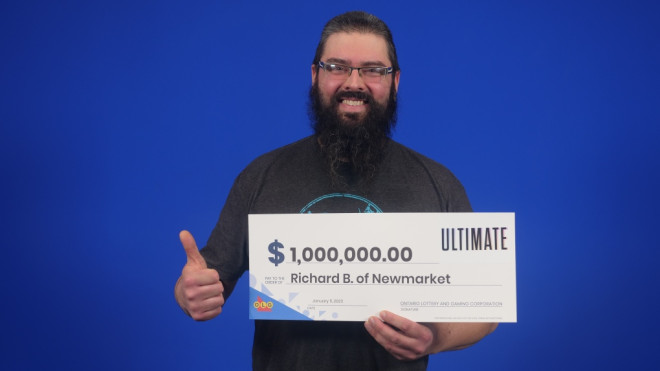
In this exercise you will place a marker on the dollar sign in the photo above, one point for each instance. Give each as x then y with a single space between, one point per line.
278 257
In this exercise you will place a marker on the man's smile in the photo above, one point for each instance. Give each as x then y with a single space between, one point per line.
353 102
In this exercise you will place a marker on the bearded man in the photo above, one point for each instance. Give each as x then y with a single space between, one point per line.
349 165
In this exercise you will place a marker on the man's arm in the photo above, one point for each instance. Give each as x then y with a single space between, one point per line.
408 340
199 291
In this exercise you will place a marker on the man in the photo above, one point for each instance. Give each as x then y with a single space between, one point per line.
350 164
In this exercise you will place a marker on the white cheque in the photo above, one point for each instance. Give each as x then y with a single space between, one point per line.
428 267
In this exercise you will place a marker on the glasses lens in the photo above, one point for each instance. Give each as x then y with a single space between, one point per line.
373 71
373 74
336 69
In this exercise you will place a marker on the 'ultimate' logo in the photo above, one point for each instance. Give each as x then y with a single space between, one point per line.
263 306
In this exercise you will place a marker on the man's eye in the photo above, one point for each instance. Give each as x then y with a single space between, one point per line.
373 71
337 68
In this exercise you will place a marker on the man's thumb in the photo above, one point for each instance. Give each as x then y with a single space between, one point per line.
195 259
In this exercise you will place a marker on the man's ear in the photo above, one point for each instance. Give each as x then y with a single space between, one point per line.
397 75
314 73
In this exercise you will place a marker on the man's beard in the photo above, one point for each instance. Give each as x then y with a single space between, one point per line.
353 147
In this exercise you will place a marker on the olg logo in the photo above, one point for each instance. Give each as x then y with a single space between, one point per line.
263 306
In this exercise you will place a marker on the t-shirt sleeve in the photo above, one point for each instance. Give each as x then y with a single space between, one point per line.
226 249
451 192
456 199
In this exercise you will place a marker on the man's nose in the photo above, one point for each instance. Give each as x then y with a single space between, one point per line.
354 81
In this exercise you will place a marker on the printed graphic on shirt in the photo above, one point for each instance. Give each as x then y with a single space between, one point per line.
341 201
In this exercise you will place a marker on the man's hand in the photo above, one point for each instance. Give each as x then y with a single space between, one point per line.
408 340
199 290
404 339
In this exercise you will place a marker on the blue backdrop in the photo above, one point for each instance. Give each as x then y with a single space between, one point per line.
126 121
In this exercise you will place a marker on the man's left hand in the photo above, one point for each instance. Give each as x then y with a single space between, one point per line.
404 339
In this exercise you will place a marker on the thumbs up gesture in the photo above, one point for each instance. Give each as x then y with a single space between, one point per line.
199 290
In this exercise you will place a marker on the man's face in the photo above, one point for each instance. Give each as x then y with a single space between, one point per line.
356 50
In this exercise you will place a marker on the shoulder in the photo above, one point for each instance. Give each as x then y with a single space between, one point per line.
295 148
286 156
419 168
400 152
284 153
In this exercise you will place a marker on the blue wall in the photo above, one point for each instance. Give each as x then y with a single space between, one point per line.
123 122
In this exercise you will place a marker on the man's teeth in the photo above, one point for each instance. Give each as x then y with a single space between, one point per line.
353 102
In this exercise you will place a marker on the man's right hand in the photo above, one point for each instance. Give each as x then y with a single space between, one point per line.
199 290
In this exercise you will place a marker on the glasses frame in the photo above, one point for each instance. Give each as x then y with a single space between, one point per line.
388 70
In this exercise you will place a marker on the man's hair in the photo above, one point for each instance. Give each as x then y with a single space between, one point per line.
357 21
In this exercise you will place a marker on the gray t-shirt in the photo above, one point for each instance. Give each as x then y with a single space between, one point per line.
295 179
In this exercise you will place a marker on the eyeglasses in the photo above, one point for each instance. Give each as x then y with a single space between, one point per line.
368 73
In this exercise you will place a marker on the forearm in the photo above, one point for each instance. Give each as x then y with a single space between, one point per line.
455 336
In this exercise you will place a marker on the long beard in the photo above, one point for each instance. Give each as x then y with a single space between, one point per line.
352 148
